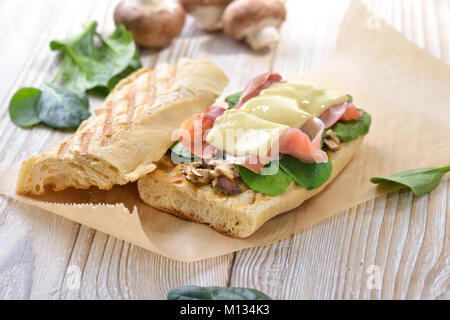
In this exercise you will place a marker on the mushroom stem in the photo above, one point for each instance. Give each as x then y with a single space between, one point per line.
262 37
209 18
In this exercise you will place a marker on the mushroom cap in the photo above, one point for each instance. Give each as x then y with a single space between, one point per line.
190 4
153 23
241 15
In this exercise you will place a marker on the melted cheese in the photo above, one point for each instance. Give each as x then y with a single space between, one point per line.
253 129
311 98
241 133
277 109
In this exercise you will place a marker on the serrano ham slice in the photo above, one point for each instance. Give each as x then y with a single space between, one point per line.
305 144
351 113
333 114
193 131
256 85
345 111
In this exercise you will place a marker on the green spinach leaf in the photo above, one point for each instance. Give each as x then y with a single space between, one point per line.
55 106
180 150
61 108
420 181
179 154
351 130
22 107
233 99
215 293
90 67
273 185
308 175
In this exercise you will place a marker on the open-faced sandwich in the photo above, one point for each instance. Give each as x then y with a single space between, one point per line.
133 129
278 144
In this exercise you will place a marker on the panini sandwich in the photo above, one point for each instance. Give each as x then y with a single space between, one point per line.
133 129
277 144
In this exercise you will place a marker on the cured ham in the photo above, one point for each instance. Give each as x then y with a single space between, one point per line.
193 131
252 163
351 113
345 111
256 85
305 143
333 114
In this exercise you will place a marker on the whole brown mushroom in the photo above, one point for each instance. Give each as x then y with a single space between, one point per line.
153 23
256 21
207 13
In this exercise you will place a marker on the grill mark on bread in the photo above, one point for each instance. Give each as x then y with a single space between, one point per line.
151 88
150 94
139 111
85 141
131 105
107 128
173 76
63 148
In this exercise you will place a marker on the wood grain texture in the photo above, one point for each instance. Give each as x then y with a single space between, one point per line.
43 256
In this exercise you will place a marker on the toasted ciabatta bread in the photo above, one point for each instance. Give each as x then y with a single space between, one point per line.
121 140
237 216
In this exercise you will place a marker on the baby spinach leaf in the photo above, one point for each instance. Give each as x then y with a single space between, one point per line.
61 108
350 99
22 107
179 154
233 99
54 106
90 67
180 150
308 175
273 185
420 181
351 130
215 293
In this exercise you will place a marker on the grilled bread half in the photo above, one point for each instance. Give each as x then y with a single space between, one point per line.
121 141
238 216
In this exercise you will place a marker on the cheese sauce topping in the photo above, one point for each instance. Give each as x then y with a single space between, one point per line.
258 125
242 133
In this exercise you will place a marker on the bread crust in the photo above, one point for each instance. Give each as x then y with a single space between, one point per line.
236 216
120 141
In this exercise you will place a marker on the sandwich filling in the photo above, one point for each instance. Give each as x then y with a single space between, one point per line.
276 132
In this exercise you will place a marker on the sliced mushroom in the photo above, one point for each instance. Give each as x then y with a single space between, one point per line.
228 186
332 141
196 175
256 21
225 169
153 23
207 13
216 173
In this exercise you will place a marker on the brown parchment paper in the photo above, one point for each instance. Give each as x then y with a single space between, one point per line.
405 89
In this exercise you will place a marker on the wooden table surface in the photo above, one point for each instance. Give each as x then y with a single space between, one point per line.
398 239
